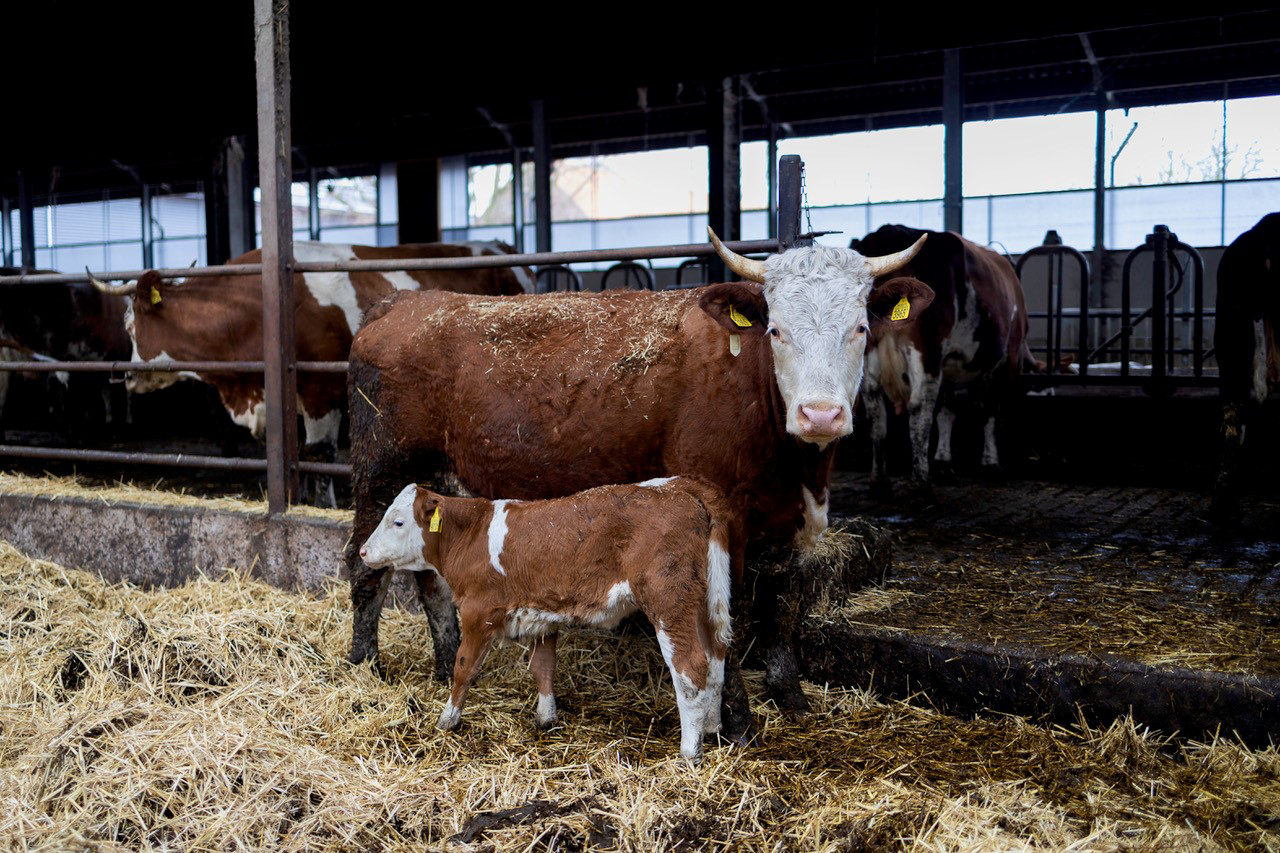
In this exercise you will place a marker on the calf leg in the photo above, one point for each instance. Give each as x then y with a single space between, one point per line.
437 603
477 638
689 663
542 662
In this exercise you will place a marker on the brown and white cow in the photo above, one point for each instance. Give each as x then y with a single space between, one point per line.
745 385
220 319
970 343
521 571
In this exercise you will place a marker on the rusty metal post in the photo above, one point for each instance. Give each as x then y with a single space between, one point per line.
541 176
271 51
790 200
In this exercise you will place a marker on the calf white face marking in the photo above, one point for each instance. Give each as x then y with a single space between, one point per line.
498 534
655 482
330 288
397 542
818 328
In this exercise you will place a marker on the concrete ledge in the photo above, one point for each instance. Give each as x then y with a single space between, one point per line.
164 546
969 677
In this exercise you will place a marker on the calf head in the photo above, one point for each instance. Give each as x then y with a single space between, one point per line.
142 298
408 536
819 306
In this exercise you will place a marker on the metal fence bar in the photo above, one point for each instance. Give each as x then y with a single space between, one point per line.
477 262
178 460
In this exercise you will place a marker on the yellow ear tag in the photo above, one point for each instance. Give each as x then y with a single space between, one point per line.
738 319
155 296
735 345
435 521
902 310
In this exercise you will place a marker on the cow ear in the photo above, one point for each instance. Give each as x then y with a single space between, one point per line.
424 505
898 301
740 307
150 292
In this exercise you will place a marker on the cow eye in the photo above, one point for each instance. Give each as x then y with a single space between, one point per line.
773 330
399 522
862 329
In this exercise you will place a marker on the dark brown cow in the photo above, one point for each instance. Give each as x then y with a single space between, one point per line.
1246 343
522 571
971 342
220 319
745 386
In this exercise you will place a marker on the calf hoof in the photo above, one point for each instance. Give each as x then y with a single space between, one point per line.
443 672
741 733
694 759
450 717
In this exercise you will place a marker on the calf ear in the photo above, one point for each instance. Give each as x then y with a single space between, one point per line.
740 307
424 505
885 302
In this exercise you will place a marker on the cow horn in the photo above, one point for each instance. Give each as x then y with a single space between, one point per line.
745 267
114 289
885 264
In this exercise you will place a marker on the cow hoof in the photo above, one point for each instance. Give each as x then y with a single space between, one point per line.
943 473
994 473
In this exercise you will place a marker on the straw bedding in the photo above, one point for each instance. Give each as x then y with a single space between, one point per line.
221 715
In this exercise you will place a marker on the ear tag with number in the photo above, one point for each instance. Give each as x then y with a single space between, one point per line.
435 521
902 310
155 296
735 345
738 320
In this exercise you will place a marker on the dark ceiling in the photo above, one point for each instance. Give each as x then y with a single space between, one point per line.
156 90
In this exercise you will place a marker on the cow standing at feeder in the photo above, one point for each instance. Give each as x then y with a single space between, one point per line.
219 318
969 344
745 385
1245 343
521 571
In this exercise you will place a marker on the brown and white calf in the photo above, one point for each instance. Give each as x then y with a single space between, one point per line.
522 570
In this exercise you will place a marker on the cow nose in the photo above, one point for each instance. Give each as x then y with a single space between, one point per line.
364 552
821 418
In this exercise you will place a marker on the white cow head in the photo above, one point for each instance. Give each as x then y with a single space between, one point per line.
397 542
818 305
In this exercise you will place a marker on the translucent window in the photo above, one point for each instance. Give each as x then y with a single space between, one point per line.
1171 144
884 165
1032 154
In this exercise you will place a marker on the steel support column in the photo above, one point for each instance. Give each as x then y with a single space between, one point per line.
6 231
229 203
771 156
542 176
790 199
313 204
26 224
953 129
148 229
418 200
271 52
1096 293
724 145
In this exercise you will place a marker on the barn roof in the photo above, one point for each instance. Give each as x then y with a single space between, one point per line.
156 91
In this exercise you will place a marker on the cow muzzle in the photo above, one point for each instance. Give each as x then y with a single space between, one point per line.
822 421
